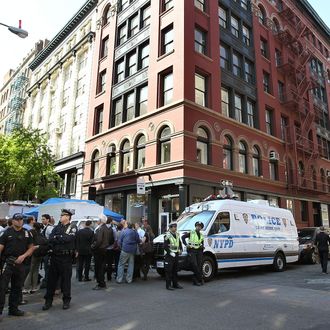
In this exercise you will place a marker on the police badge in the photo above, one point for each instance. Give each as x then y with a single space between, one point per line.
284 221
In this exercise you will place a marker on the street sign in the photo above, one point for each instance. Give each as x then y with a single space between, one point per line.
140 186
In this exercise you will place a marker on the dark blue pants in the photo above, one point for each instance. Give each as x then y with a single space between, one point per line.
324 260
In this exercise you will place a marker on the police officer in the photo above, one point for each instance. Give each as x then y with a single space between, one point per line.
195 249
15 246
172 247
62 244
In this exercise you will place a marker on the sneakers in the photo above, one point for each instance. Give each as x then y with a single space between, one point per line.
16 312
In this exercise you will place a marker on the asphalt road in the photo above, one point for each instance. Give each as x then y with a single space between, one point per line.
253 298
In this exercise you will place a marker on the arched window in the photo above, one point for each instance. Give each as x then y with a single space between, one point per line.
95 164
106 15
301 172
125 156
111 160
202 146
256 165
140 160
242 158
164 143
227 161
276 25
324 187
262 15
273 166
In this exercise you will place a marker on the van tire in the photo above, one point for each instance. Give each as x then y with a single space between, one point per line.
208 268
313 257
161 272
279 262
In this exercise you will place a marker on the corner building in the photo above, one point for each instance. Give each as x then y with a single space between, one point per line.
186 93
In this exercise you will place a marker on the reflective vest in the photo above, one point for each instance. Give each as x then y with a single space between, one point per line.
174 241
195 242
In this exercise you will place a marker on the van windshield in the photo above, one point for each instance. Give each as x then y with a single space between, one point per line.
188 223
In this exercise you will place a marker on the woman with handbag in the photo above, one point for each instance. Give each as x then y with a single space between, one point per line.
147 250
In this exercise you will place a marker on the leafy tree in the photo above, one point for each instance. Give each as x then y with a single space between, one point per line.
27 166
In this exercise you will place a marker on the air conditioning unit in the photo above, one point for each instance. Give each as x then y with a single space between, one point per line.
58 130
111 150
273 155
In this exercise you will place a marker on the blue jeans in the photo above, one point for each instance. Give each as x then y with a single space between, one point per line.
125 257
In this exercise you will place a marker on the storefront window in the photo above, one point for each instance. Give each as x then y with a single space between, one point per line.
137 207
113 202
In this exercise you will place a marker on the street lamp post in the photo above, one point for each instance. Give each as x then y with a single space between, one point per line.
20 32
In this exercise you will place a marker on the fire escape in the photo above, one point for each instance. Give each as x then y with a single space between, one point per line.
16 103
297 97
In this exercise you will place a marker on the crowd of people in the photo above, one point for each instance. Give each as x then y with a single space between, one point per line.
39 255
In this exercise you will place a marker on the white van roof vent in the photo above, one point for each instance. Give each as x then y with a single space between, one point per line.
259 202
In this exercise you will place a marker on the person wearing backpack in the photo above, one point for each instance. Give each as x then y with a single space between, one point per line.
41 244
99 247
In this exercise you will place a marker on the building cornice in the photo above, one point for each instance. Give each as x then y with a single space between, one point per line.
68 28
69 158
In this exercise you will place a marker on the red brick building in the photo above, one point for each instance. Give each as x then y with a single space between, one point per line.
186 93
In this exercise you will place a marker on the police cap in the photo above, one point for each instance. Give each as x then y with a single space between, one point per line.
66 212
173 224
18 216
199 223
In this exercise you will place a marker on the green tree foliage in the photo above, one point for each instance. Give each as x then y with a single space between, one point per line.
26 166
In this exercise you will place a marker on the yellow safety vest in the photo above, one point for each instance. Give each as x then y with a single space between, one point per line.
174 241
194 241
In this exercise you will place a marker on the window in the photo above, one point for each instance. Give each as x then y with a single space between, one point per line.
167 40
238 107
125 157
118 112
224 57
200 41
120 71
144 56
106 16
167 89
131 63
98 120
121 34
273 171
248 68
167 4
256 165
225 102
133 25
284 125
246 35
202 145
276 26
140 152
124 4
146 14
129 106
234 26
304 211
221 223
278 57
262 15
280 91
200 4
71 183
227 162
250 107
222 17
104 47
200 90
269 121
80 86
266 82
264 47
242 158
244 4
101 83
95 164
66 96
165 145
111 160
143 100
237 65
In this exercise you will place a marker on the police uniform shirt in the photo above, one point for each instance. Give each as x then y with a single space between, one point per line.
62 238
15 242
167 243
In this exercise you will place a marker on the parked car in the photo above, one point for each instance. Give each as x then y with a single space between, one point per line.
80 223
307 249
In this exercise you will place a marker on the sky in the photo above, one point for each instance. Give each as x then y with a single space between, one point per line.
45 18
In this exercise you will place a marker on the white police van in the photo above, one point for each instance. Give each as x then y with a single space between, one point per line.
237 234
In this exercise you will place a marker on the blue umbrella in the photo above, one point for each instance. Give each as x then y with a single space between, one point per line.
115 216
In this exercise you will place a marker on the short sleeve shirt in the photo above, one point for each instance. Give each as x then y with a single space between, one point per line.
15 242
